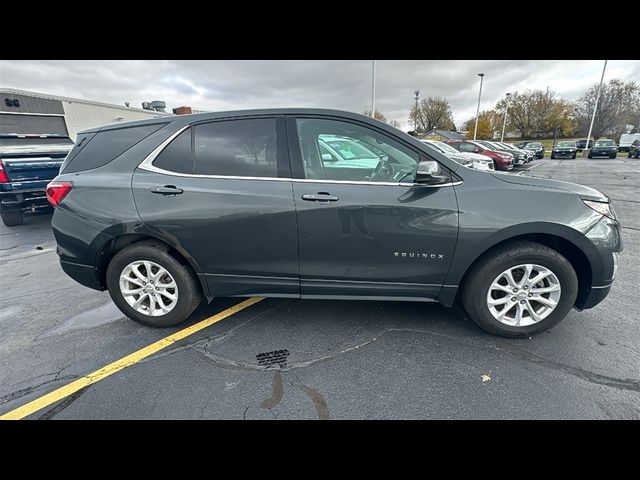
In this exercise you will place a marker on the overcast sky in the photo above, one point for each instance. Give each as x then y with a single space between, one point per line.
216 85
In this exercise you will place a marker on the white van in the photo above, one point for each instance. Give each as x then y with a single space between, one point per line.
626 139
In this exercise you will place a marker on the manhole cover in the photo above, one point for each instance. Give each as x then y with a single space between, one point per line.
270 359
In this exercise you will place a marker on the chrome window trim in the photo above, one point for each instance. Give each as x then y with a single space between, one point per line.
147 164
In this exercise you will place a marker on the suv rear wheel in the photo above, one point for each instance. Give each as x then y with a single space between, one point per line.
11 219
152 287
520 289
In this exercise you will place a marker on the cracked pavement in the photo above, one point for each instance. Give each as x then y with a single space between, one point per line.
347 360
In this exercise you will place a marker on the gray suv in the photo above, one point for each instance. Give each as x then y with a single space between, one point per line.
321 204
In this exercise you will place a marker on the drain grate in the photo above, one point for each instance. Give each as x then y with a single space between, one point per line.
270 359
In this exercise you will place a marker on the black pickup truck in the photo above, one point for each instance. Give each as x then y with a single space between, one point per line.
27 164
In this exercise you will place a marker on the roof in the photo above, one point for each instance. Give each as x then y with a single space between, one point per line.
47 96
445 133
200 117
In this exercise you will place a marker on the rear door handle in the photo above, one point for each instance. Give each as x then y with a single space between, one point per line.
167 190
319 197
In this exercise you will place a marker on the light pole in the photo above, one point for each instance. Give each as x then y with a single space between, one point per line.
595 107
415 120
373 90
504 122
475 130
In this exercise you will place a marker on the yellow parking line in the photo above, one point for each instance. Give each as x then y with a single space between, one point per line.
132 359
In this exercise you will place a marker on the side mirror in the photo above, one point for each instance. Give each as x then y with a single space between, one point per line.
327 157
430 173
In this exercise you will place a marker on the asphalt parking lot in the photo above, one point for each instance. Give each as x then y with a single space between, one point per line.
337 360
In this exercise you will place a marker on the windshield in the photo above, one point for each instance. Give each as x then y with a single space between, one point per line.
444 147
604 143
532 146
566 144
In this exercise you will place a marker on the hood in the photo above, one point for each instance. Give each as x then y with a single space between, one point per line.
585 192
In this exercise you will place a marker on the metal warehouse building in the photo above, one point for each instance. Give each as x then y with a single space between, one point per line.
25 112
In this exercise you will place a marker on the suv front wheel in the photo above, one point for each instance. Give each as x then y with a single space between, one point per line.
520 289
152 287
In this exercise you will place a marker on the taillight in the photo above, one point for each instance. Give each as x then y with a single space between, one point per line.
3 174
56 191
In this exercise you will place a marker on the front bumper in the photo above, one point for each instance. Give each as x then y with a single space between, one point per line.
563 153
594 296
603 153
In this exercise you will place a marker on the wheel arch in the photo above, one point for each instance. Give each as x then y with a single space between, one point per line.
109 249
560 238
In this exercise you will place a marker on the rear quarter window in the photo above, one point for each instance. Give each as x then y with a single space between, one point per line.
178 155
105 146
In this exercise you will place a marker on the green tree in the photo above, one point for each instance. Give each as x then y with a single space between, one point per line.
378 116
433 112
395 123
535 113
617 107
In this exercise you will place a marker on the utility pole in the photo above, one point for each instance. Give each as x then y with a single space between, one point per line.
595 107
373 90
475 130
415 120
504 122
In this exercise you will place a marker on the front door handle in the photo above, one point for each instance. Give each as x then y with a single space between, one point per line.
319 197
167 190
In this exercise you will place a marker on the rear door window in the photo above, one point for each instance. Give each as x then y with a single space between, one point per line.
177 156
239 148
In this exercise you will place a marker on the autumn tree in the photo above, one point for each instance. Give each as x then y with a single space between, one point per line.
617 107
378 116
485 128
536 113
433 112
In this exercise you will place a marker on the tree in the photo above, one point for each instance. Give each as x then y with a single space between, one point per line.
378 116
617 107
535 113
395 123
433 112
485 129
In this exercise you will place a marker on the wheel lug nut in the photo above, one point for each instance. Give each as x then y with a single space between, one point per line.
513 299
144 290
525 287
159 289
522 301
530 294
144 283
515 290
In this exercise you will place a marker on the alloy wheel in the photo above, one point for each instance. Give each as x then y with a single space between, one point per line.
148 288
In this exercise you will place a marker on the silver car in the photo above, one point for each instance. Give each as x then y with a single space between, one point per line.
468 159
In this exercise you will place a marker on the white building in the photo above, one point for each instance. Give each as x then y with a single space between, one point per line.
41 113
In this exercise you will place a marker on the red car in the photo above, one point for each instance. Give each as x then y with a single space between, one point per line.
501 160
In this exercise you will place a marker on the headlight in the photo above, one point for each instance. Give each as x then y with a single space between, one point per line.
603 208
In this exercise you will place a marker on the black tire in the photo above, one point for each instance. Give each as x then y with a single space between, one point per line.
613 157
189 294
495 165
487 268
589 156
574 156
552 156
11 219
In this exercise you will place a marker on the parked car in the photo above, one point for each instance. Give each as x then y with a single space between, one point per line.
626 139
536 148
604 147
634 149
518 158
582 144
565 149
501 160
522 144
27 164
518 151
165 212
468 159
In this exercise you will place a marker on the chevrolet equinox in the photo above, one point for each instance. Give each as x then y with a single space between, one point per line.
323 204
